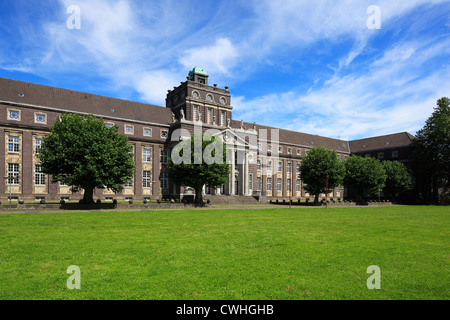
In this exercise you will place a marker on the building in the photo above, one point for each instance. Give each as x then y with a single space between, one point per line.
265 161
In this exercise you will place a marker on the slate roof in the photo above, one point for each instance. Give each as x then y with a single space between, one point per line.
69 100
396 140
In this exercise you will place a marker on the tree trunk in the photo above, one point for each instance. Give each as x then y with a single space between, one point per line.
88 195
198 195
316 198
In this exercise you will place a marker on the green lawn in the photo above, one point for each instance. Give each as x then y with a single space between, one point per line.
281 253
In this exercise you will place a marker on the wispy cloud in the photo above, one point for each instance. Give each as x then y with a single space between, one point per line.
303 65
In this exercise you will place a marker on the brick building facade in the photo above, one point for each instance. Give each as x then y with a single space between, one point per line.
264 161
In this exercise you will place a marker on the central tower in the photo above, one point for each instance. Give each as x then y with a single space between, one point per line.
197 102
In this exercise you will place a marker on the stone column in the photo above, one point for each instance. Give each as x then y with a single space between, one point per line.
246 174
232 186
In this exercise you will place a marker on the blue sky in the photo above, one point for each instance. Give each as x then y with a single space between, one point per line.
309 66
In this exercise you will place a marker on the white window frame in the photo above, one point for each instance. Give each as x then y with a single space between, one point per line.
147 179
146 155
14 118
13 174
40 178
37 114
13 144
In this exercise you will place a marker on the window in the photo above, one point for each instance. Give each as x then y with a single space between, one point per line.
13 143
13 115
258 184
222 118
298 185
13 173
250 181
147 179
297 168
394 154
195 94
209 97
299 152
380 155
279 184
223 100
269 147
269 184
129 183
269 165
40 118
147 132
147 155
280 166
288 169
109 124
210 115
258 146
164 134
128 129
164 180
280 149
288 185
289 151
258 164
37 144
39 176
195 115
164 155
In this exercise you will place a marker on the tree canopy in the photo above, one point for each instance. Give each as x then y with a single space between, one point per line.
365 176
398 179
81 151
318 166
198 161
432 153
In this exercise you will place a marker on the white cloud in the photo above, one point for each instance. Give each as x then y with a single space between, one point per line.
218 58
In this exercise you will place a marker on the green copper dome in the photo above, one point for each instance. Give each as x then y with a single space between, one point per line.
197 70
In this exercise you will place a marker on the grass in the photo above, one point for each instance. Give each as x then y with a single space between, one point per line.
280 253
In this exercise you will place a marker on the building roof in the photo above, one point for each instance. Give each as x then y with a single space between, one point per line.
81 102
197 70
396 140
296 138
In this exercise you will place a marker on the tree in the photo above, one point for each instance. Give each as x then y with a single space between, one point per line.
321 167
198 161
365 176
81 151
399 178
432 153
